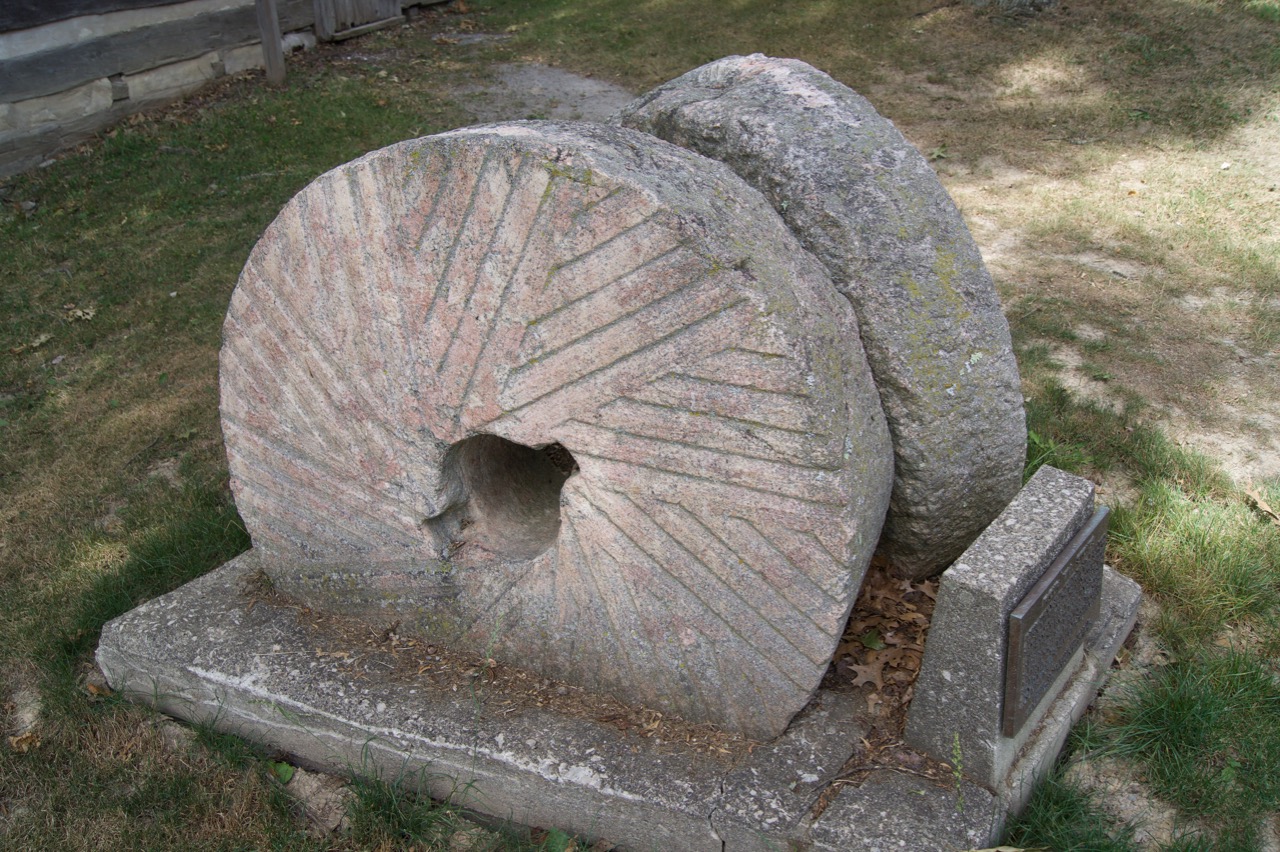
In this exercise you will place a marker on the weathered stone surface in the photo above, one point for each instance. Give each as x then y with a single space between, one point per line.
418 325
174 80
960 689
890 812
65 106
204 654
237 59
213 651
866 203
770 797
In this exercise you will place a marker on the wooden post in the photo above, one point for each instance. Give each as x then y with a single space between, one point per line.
269 23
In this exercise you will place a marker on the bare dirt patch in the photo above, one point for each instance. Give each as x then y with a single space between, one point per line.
1113 196
526 90
1124 797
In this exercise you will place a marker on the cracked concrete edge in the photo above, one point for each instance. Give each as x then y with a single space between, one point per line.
894 811
472 781
200 654
751 815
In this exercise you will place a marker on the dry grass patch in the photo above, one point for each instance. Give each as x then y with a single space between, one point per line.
109 777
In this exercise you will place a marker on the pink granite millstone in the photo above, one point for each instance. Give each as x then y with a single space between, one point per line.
424 335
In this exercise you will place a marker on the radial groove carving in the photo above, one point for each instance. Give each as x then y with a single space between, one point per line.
416 325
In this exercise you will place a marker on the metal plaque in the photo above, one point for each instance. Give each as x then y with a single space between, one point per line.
1049 623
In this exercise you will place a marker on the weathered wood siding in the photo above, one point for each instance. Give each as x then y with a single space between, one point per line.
69 68
336 19
62 68
23 14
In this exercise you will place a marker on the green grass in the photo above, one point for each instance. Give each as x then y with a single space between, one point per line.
1214 562
388 813
1206 730
1267 10
112 293
1190 535
106 781
1195 68
1059 816
199 532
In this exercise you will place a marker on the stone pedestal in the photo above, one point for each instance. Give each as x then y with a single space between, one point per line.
214 651
993 702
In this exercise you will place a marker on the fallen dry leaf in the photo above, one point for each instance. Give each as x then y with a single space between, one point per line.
848 649
1255 497
35 344
872 674
24 743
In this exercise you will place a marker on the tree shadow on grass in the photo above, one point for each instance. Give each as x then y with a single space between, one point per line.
1187 69
202 532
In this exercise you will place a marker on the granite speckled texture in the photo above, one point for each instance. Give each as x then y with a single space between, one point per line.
864 201
419 324
960 689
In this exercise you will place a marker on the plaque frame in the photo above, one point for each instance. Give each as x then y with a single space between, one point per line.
1073 571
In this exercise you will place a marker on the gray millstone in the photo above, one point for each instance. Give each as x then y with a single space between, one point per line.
867 204
419 329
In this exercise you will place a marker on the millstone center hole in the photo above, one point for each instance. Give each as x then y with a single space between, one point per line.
513 493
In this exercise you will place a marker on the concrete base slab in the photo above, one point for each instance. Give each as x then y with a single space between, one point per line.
213 652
